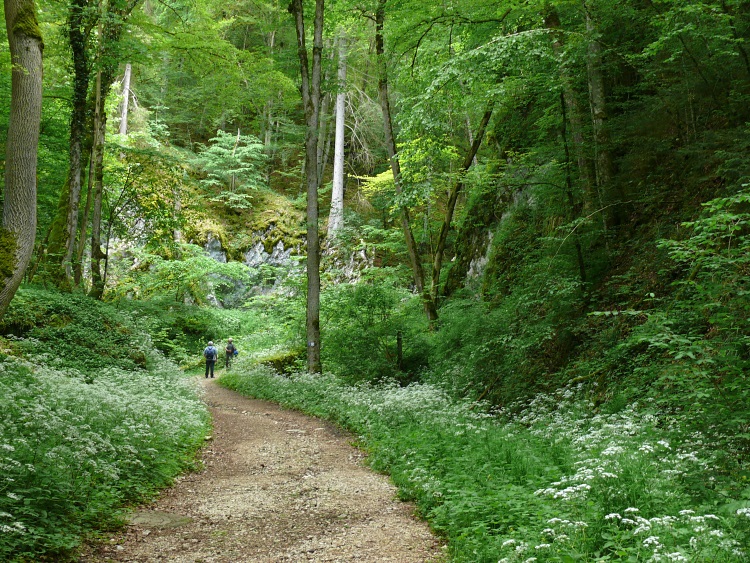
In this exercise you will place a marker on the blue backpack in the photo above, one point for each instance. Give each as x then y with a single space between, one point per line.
210 353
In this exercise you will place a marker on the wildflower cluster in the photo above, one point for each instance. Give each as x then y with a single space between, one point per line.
73 447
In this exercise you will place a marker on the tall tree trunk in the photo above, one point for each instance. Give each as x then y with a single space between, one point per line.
336 217
63 232
110 31
311 101
471 154
586 171
323 135
324 121
390 143
125 100
598 104
177 232
575 209
97 279
18 230
268 117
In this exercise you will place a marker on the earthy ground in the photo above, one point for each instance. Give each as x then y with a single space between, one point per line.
276 486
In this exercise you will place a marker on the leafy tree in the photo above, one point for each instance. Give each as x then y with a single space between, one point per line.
233 166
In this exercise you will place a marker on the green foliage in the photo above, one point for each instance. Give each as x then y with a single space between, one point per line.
360 329
233 168
73 332
193 276
181 331
698 339
83 431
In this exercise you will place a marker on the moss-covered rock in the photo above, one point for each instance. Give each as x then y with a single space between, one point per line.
284 362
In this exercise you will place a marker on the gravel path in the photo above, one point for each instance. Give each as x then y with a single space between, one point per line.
276 486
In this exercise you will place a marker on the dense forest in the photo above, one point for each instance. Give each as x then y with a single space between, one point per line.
506 243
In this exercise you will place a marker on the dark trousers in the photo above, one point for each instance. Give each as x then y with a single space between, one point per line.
210 367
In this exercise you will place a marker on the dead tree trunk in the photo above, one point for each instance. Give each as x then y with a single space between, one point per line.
336 217
125 100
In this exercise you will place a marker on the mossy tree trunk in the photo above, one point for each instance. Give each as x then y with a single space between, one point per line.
18 230
112 24
311 80
62 238
97 170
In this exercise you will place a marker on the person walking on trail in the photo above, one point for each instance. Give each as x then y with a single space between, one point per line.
210 353
231 352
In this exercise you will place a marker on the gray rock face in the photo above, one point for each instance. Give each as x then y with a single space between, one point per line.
226 292
214 249
279 256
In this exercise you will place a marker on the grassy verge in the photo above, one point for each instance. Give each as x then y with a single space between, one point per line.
556 483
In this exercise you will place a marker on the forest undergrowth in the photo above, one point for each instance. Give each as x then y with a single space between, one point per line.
552 479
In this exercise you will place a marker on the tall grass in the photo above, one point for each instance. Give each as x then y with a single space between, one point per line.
558 482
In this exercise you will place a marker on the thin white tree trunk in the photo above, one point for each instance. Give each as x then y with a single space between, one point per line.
336 217
125 100
18 230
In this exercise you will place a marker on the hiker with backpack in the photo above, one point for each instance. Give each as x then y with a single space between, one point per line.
230 352
210 353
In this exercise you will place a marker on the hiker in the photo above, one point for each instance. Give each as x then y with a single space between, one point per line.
230 351
210 353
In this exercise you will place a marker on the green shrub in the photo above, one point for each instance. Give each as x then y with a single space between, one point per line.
73 331
360 332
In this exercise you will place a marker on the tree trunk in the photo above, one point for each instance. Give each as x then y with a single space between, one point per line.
598 104
63 233
97 283
390 143
575 209
453 198
78 264
311 102
125 100
586 172
18 230
110 30
336 217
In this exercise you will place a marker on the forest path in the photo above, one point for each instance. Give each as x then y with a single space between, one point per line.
276 486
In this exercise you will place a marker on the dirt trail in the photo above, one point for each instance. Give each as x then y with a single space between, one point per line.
276 486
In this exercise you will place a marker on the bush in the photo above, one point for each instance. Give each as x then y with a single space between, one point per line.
361 328
73 331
